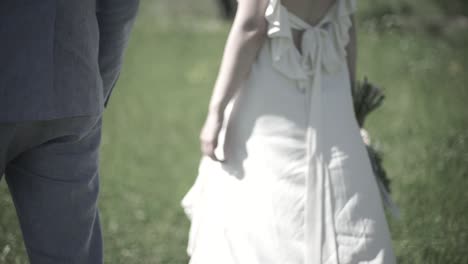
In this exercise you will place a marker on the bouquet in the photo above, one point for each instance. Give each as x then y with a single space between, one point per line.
366 98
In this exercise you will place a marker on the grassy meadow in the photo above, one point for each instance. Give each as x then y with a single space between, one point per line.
150 143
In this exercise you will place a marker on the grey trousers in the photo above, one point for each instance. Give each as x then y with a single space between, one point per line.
52 172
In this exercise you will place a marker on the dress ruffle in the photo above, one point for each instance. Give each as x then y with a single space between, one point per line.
213 193
329 38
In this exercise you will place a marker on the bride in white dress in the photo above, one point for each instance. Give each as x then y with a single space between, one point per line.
285 177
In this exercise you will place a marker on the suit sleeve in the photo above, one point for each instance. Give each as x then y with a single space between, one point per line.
115 19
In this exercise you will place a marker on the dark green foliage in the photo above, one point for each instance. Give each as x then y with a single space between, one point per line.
453 7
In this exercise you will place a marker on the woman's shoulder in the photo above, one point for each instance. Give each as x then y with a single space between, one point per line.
313 12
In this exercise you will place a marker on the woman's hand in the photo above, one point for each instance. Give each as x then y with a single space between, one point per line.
247 35
210 133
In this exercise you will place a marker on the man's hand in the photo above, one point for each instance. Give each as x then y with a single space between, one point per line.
209 135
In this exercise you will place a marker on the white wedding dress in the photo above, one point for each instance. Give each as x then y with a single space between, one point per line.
297 186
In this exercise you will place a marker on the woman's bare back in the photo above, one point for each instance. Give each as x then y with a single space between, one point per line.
311 11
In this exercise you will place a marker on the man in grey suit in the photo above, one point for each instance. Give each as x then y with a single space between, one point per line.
59 60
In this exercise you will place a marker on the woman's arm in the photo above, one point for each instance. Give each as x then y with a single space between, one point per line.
246 37
351 50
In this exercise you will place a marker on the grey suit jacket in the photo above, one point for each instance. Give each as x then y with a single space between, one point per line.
60 58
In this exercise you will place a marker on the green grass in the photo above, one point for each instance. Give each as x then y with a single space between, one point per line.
150 144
